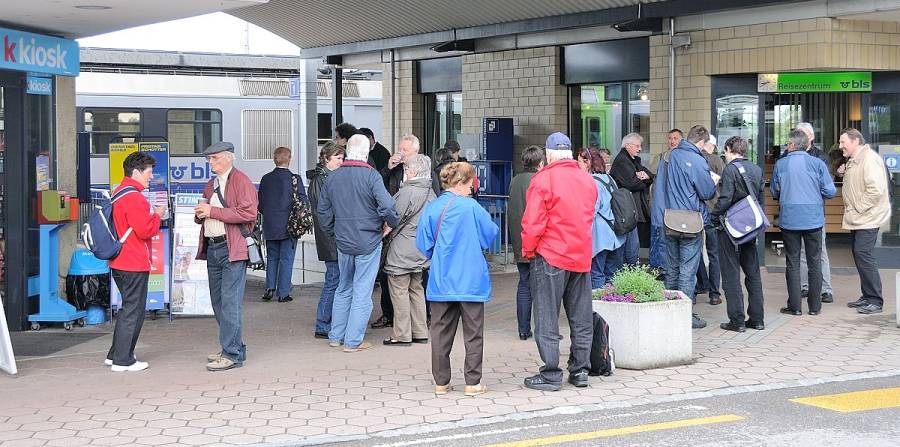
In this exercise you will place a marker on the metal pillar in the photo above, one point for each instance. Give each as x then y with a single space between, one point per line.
337 96
671 73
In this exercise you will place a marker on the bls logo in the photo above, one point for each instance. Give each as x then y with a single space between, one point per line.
196 171
856 84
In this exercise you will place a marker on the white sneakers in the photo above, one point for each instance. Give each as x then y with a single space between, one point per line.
109 362
136 366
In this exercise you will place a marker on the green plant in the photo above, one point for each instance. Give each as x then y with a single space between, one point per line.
639 281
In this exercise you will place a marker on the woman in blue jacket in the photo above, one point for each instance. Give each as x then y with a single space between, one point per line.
608 254
453 232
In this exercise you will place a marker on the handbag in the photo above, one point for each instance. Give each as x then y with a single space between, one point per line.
300 219
678 223
404 221
745 219
252 237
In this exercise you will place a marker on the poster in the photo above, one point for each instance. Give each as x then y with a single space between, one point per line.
190 287
117 154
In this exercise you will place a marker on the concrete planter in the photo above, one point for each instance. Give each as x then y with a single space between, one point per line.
649 335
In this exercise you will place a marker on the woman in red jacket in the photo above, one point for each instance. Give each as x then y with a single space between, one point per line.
137 226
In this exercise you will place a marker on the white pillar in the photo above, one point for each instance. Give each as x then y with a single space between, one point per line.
308 119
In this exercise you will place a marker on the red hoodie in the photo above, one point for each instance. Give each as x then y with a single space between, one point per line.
133 211
559 213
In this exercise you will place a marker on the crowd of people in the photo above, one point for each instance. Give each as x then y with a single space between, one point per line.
394 220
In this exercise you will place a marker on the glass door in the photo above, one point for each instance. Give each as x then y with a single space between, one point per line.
443 120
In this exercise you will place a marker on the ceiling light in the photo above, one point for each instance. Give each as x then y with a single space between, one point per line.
93 7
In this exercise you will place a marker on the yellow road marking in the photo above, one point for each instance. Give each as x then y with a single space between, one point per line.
620 431
857 401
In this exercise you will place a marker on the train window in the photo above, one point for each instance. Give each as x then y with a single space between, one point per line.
324 133
106 124
264 130
190 131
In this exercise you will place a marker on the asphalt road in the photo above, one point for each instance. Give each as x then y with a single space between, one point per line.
767 418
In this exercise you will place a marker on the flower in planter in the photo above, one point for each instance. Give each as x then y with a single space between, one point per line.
639 282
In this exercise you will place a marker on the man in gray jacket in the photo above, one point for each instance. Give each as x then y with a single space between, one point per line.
353 207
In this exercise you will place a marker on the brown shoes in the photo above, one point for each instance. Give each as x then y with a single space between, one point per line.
362 347
475 390
442 389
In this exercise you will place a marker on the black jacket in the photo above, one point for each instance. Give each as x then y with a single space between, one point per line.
275 201
733 189
379 156
820 154
325 244
624 172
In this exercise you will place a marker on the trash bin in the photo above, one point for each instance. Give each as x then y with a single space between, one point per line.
87 284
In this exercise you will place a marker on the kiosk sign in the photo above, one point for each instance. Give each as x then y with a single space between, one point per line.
38 53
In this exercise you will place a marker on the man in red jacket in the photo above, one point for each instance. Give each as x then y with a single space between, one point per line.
231 206
556 235
131 268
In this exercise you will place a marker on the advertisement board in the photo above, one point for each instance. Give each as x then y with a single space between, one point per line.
190 283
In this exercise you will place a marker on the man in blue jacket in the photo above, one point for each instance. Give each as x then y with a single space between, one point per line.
801 183
353 208
685 184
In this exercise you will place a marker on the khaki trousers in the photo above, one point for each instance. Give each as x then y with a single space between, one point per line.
408 298
445 318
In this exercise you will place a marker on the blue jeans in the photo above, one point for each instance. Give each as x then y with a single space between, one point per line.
280 265
632 247
682 261
353 298
226 290
326 298
709 279
604 266
523 298
657 249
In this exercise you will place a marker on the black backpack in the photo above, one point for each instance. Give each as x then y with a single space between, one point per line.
623 209
603 361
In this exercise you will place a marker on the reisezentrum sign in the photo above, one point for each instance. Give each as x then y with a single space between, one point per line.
843 81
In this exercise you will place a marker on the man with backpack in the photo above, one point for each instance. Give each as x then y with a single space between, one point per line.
131 267
740 178
226 217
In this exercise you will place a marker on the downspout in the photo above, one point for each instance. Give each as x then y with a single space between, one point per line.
393 101
671 73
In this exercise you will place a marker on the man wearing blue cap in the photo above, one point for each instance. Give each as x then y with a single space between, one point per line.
230 206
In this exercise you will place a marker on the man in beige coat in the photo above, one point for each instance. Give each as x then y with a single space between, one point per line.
866 209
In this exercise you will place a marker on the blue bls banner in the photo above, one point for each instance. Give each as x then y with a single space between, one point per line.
37 53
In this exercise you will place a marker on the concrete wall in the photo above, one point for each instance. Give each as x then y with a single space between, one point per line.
410 117
65 164
799 45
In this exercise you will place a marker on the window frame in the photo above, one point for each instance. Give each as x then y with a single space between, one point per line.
168 122
139 111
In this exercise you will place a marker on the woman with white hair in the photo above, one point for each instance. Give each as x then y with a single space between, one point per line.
404 264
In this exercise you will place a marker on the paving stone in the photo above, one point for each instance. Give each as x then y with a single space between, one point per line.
201 439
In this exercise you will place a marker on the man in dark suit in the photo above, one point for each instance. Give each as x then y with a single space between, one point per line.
276 197
378 154
629 173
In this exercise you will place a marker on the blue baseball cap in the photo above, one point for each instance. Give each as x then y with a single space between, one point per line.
557 141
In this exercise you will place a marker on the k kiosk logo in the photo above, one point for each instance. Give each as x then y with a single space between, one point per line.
40 54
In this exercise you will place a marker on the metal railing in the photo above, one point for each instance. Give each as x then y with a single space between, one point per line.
498 207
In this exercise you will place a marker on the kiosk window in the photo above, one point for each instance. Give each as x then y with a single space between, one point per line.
191 131
106 124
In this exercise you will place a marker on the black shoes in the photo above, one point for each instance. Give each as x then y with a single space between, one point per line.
697 322
392 342
858 303
789 311
814 312
539 383
733 327
420 340
579 379
827 298
869 309
754 325
715 300
382 322
268 295
524 336
285 299
321 335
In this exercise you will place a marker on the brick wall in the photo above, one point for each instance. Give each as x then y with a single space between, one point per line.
522 84
410 118
800 45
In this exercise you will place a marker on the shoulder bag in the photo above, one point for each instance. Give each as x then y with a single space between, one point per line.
253 237
680 223
300 219
745 219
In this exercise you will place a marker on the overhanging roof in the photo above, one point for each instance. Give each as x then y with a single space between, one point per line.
311 24
362 26
74 19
